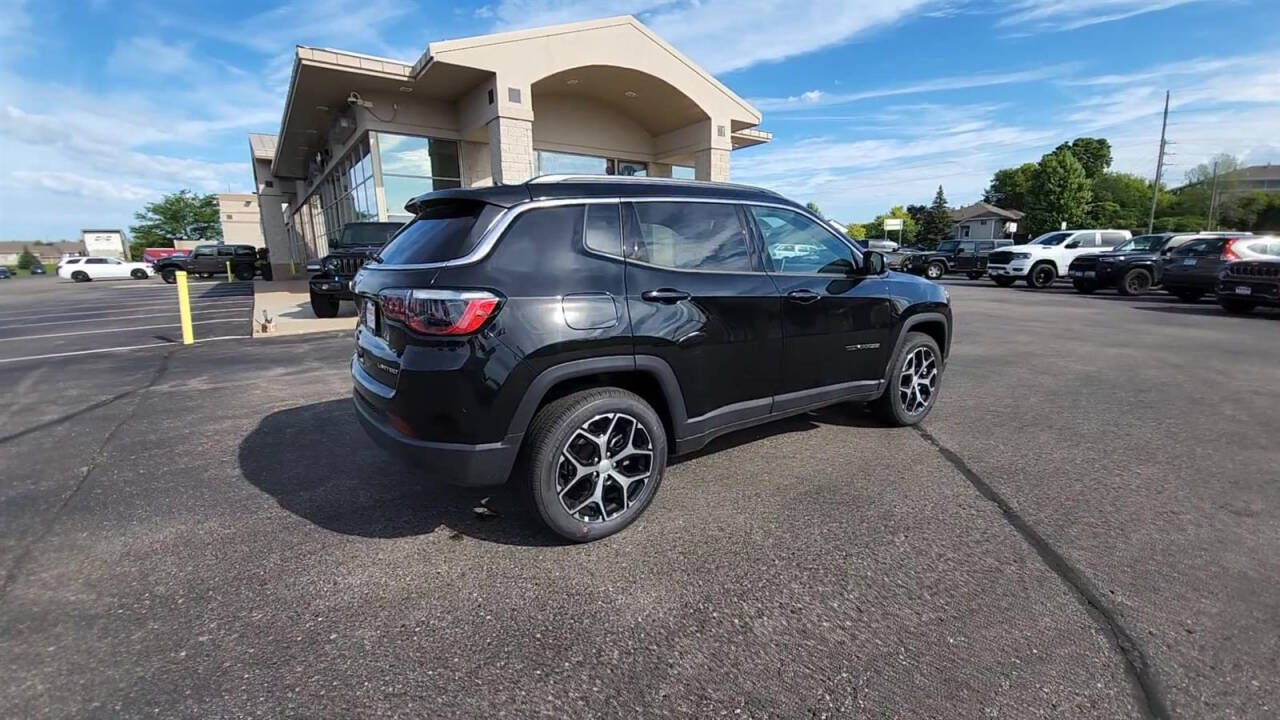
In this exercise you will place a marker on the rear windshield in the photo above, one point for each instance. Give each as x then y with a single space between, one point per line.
445 230
366 234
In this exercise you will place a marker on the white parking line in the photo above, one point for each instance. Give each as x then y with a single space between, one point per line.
113 319
136 327
149 306
116 349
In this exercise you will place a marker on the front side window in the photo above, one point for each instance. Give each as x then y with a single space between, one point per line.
689 236
967 247
816 250
203 252
226 251
1084 240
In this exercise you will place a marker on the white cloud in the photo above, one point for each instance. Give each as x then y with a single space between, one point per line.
725 35
1060 15
147 54
70 183
815 97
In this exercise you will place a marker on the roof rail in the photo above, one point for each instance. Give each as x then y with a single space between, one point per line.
546 179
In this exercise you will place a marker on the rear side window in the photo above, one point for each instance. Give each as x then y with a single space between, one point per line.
72 261
1112 239
689 236
226 251
985 246
603 229
445 230
241 250
96 261
1265 247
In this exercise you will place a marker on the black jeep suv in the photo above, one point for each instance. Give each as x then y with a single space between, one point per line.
208 260
1133 267
581 330
355 245
953 256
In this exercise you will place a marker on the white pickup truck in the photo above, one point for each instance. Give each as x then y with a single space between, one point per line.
1044 259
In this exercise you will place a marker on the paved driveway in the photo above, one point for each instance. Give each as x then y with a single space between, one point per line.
1084 528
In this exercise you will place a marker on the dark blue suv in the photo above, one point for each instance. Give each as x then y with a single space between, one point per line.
571 333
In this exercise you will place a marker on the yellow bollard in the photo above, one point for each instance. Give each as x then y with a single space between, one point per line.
292 271
228 271
184 309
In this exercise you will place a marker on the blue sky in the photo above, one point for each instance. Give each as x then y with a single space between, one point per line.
106 104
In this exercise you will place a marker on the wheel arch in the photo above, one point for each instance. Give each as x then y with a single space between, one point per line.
647 376
934 324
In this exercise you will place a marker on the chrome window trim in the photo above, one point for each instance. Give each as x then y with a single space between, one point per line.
500 225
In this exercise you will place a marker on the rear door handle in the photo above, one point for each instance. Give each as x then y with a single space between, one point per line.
804 297
665 295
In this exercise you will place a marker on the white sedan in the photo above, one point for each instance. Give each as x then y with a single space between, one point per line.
84 269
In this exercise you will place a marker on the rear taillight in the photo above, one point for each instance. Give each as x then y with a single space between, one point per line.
1228 251
439 312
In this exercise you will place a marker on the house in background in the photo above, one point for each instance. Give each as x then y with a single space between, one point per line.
984 221
48 253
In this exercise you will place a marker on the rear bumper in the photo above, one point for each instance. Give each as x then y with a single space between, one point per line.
1262 293
452 463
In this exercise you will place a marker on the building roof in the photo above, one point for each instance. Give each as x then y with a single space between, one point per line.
262 145
980 210
1256 172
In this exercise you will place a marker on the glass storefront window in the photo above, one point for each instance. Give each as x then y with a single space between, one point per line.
412 166
682 172
559 163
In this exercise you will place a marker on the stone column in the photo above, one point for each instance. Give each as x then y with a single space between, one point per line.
659 170
711 164
510 150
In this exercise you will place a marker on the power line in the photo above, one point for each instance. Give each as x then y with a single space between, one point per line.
1155 186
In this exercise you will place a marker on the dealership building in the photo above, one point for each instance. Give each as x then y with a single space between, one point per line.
362 135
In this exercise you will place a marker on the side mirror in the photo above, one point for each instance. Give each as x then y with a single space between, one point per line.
872 263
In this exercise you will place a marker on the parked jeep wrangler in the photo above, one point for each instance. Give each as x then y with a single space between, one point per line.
356 244
955 256
207 261
580 330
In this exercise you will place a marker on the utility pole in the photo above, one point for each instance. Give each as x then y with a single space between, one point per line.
1213 198
1155 190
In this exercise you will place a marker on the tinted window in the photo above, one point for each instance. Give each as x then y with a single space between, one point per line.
96 261
1111 239
241 250
1084 240
444 230
1191 248
690 236
985 246
72 261
367 234
967 247
948 246
226 251
1056 238
203 252
812 248
603 229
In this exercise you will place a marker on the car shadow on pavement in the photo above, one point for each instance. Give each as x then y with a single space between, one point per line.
318 464
1211 309
844 414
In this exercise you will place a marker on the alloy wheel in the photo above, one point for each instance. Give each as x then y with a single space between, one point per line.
918 380
1138 283
934 271
604 468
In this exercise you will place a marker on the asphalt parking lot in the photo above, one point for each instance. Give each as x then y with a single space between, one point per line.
48 317
1086 526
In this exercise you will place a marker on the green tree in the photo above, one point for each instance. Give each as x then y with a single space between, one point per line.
857 232
918 213
813 208
27 259
937 223
183 215
875 229
1120 200
1093 154
1008 188
1060 193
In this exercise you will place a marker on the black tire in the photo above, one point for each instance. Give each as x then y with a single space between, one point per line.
1042 276
973 275
325 306
542 465
244 272
1084 287
1003 280
890 407
80 276
1187 294
169 275
935 270
138 274
1237 307
1135 282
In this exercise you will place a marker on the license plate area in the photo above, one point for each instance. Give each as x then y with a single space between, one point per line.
370 315
1244 290
1188 261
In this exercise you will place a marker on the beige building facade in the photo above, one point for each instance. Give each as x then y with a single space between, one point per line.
241 219
362 135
